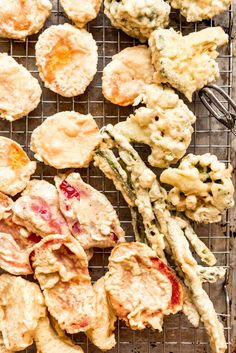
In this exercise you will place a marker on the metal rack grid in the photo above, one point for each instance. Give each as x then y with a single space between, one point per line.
209 136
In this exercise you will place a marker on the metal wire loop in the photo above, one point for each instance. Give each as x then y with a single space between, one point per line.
211 101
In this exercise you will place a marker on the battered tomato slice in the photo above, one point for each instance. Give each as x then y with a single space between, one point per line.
176 296
61 268
140 287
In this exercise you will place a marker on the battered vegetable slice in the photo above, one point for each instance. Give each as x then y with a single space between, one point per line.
61 268
15 167
90 216
202 187
38 210
20 92
127 75
186 62
50 339
15 246
198 10
138 18
81 12
102 334
21 18
67 59
6 204
21 307
66 140
165 125
141 287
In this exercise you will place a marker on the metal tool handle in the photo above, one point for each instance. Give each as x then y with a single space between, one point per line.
211 101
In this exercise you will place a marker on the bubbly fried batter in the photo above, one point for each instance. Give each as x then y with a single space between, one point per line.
20 92
198 10
91 218
140 287
67 59
15 167
138 18
21 306
186 62
21 18
202 187
127 75
61 268
81 12
66 140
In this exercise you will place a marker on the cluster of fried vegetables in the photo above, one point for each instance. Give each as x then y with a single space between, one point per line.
169 236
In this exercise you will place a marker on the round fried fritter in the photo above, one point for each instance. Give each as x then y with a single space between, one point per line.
140 287
21 18
67 59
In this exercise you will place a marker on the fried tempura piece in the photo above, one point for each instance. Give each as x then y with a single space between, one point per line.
21 306
91 217
198 10
202 187
15 167
21 18
81 12
186 62
138 18
140 287
20 92
102 334
49 339
165 125
127 75
67 59
61 268
38 210
66 140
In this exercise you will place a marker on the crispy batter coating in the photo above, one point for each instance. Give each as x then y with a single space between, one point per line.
138 18
186 62
127 75
20 92
15 246
140 287
67 59
51 339
21 18
66 140
102 334
38 210
91 217
202 187
61 268
81 12
166 125
15 167
198 10
21 306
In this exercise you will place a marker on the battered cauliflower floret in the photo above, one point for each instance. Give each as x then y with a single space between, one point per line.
198 10
202 187
138 18
186 62
166 126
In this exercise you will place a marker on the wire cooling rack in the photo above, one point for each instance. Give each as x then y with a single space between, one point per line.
178 335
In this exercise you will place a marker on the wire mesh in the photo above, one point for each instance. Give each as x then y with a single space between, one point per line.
178 335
